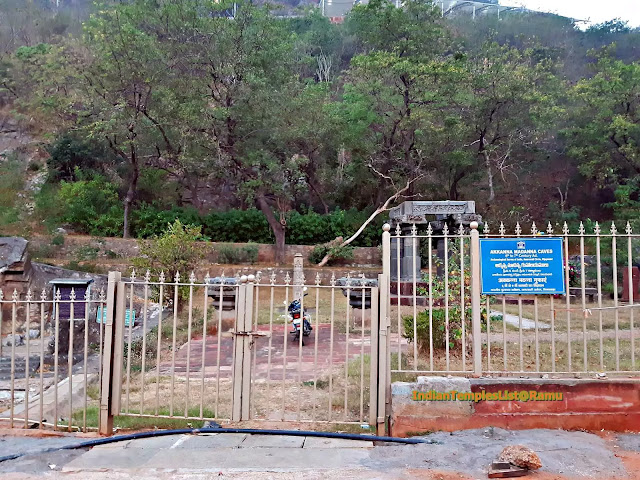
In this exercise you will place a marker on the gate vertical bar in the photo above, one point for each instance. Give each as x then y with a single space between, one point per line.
384 356
383 339
476 328
105 426
375 357
119 318
247 344
238 349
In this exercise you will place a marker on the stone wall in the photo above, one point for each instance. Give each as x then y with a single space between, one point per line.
587 404
114 248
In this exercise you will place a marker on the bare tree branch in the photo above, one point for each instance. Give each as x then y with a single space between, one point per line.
384 207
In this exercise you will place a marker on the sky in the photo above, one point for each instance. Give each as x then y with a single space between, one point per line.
596 11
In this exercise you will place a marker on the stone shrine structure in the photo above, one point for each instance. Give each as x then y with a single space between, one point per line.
438 214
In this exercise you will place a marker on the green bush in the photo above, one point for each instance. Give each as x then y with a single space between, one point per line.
149 220
57 240
177 250
237 226
438 328
82 267
42 251
233 255
48 206
86 252
72 158
337 253
91 206
438 319
312 228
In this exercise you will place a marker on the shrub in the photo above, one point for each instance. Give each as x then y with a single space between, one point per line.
91 206
438 328
72 158
42 251
34 166
11 183
311 228
178 249
86 252
57 240
150 219
49 208
232 255
237 226
83 267
337 253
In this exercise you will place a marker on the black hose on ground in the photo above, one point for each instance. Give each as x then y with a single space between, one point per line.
196 431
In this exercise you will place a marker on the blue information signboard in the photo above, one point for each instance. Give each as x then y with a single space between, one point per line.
522 266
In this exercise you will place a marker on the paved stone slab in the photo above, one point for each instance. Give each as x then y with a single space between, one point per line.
257 459
115 445
317 442
218 440
153 442
112 458
276 441
13 445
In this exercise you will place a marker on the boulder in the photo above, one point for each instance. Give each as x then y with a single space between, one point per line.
16 339
520 456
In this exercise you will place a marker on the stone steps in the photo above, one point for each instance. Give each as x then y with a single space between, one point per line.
20 367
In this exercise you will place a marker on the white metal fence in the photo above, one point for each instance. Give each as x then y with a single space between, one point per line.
439 330
50 365
222 349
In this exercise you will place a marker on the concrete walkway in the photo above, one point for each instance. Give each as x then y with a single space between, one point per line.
459 455
229 452
514 321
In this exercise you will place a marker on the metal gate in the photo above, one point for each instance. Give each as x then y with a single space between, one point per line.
222 349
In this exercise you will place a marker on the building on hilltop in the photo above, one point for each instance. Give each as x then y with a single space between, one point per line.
336 10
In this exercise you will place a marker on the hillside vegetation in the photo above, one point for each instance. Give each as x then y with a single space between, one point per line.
266 127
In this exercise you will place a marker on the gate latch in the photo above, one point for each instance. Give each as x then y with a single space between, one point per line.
250 334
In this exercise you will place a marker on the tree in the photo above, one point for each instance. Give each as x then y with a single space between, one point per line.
119 87
397 93
511 107
605 135
245 95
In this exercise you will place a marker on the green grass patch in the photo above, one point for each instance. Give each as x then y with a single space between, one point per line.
11 184
126 422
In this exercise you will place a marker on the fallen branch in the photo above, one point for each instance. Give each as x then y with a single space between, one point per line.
383 208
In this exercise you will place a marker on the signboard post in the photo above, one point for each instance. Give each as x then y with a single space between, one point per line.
522 266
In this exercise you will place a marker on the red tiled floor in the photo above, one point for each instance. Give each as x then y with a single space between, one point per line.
302 363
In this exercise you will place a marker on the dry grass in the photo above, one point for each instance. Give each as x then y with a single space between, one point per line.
322 399
576 314
495 361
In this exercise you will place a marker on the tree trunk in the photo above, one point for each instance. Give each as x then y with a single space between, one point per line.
453 189
277 228
131 193
317 192
492 193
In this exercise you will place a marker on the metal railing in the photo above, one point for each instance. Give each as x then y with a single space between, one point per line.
225 351
439 330
47 381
